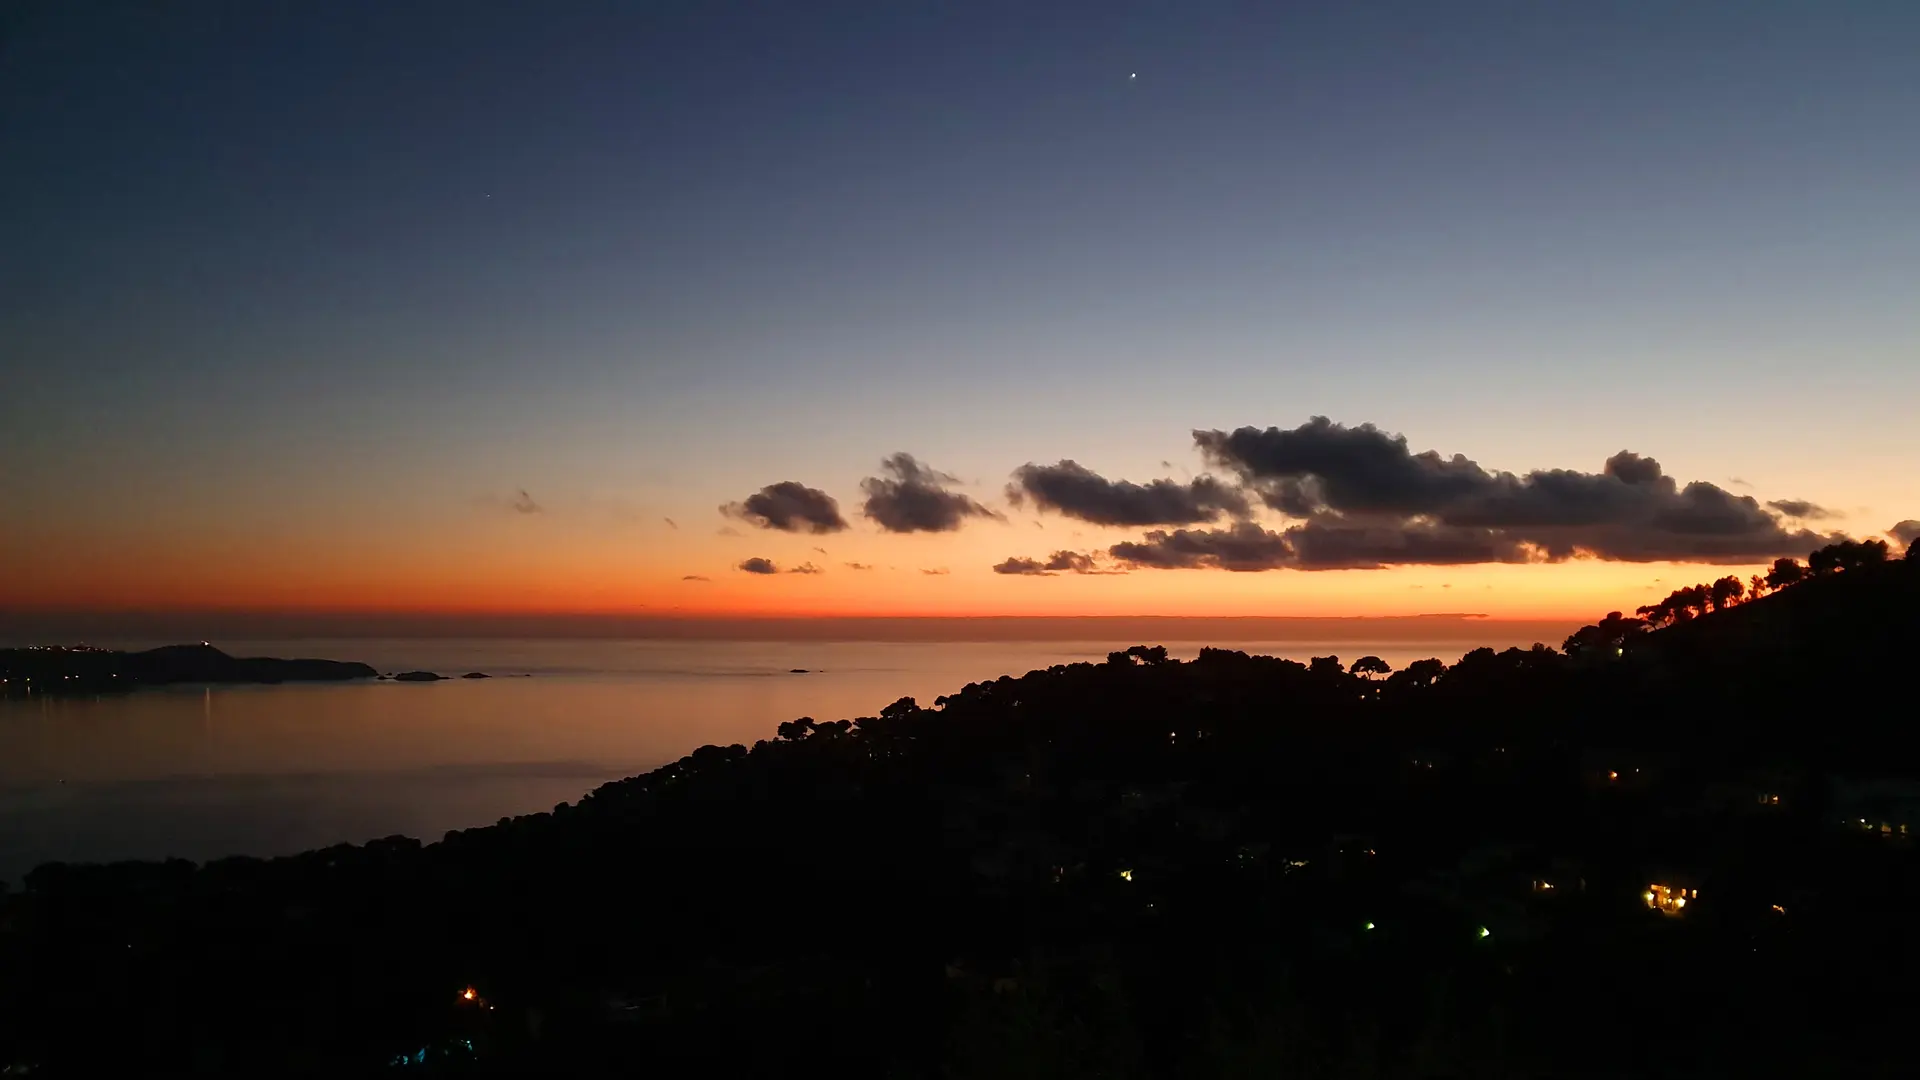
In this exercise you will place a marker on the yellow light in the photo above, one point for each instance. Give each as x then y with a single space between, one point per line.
1126 875
1779 909
1647 896
467 994
1611 775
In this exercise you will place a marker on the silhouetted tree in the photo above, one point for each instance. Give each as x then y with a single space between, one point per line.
1785 572
1420 673
1847 555
1369 666
1679 606
1608 635
1692 600
1727 592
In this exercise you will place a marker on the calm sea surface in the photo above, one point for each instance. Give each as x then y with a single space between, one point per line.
204 772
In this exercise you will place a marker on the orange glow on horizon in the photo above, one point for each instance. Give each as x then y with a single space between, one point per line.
460 568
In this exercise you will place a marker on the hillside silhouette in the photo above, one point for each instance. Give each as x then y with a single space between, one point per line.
81 670
1658 851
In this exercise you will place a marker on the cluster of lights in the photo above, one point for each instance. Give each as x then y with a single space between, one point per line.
1667 900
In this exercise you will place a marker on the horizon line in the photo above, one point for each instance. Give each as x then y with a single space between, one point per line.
106 627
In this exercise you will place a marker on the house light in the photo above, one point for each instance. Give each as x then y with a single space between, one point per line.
1126 875
1612 775
467 994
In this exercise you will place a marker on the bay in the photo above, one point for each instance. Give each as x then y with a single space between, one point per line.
203 772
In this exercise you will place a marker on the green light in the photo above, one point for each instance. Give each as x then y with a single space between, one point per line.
1485 933
1369 926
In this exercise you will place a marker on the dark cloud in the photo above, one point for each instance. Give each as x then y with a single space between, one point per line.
1068 562
789 506
1369 497
1336 547
914 498
1247 547
1804 510
1243 546
1073 490
671 524
821 550
806 568
938 571
1906 532
858 566
695 577
1324 465
758 565
1072 561
1630 468
523 503
1016 565
726 530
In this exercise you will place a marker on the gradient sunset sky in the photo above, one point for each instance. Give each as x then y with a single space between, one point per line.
493 307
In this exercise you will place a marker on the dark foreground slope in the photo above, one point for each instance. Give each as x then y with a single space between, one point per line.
1234 866
93 671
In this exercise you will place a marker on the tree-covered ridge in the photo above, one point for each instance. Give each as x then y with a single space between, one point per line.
1525 863
1691 602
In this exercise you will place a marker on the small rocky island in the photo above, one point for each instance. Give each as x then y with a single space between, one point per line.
79 669
418 676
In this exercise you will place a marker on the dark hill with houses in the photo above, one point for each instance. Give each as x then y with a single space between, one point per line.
1682 850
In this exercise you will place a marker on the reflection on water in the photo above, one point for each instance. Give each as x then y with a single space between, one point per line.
203 772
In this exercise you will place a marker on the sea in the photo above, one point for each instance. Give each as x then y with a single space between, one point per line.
201 772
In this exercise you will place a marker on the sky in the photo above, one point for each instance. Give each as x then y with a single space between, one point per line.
514 308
